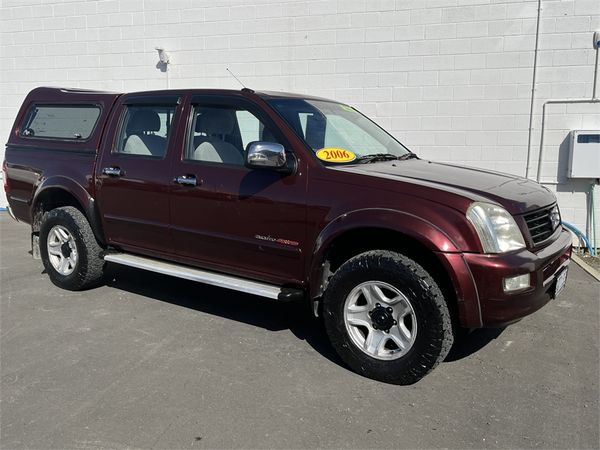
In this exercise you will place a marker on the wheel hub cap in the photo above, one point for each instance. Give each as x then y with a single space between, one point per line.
381 318
65 250
62 250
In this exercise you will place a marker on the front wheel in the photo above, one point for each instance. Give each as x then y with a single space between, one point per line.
69 250
387 318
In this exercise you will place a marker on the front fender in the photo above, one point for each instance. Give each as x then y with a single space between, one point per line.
439 242
428 234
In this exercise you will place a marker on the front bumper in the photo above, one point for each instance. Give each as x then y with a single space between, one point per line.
499 308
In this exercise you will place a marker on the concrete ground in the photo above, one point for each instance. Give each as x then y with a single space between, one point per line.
149 361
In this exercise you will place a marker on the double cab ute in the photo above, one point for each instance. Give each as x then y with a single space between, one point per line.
289 197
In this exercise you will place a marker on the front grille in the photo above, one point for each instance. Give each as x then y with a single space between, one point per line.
540 224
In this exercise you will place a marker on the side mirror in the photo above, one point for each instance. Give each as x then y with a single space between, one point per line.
265 155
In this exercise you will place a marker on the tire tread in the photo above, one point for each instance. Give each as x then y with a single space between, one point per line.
91 264
435 311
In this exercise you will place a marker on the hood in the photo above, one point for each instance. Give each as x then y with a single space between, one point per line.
516 194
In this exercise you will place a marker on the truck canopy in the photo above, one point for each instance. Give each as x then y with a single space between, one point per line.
65 119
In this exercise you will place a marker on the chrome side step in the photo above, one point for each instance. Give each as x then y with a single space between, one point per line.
204 276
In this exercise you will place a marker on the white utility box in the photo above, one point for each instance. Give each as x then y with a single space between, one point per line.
584 154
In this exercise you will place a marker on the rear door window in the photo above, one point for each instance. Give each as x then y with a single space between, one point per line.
73 122
145 130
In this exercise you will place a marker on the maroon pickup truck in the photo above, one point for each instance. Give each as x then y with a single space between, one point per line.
289 197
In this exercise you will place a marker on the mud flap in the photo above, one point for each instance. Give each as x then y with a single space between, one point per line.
35 246
316 306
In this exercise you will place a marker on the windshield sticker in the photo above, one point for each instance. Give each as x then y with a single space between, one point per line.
347 108
335 155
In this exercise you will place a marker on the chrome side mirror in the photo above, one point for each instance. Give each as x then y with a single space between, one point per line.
265 155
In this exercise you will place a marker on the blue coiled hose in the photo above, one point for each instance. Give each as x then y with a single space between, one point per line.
580 235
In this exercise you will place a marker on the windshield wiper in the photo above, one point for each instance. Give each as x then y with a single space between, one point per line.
385 157
409 155
376 157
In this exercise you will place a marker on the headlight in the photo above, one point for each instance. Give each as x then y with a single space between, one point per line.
496 228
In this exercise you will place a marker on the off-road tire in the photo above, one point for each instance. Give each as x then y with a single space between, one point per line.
434 336
88 270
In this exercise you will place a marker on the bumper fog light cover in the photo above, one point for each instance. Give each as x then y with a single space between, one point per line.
517 283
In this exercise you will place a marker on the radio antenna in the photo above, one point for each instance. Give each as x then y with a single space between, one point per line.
237 79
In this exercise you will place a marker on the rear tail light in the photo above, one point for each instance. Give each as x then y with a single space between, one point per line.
5 177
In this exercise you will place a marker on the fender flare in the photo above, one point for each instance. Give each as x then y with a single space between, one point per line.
426 233
405 223
81 195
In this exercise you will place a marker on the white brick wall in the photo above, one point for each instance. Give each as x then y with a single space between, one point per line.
450 78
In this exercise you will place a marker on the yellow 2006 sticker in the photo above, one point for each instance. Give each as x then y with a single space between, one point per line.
336 155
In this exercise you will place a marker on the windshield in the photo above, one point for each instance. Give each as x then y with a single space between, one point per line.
330 126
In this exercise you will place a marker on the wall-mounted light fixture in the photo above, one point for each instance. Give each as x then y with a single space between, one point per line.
163 59
163 62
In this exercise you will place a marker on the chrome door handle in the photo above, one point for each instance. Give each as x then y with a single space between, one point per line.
113 171
187 180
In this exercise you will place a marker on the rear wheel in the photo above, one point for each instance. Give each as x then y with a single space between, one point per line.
69 250
387 318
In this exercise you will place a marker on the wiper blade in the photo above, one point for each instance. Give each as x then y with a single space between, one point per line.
376 157
385 157
409 155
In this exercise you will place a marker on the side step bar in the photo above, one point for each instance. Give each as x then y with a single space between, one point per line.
204 276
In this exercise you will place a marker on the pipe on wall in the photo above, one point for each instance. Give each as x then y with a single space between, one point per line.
594 99
562 101
594 95
592 219
533 84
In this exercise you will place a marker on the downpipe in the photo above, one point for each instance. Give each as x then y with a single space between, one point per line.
533 84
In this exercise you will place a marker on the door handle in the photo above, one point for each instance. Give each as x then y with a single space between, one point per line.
113 171
187 180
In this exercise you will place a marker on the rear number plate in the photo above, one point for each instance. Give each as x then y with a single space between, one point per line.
561 281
